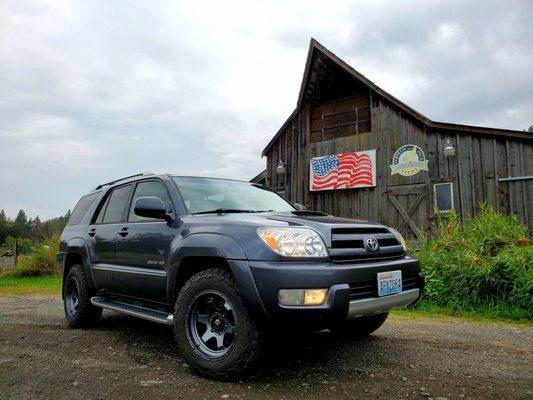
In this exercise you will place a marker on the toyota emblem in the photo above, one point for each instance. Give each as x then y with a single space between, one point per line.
371 243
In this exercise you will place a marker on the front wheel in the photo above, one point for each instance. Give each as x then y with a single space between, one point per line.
360 327
214 331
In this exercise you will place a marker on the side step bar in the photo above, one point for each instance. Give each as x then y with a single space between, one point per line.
160 317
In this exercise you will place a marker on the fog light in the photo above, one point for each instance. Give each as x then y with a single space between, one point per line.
315 297
302 297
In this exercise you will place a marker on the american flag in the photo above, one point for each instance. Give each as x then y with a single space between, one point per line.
343 171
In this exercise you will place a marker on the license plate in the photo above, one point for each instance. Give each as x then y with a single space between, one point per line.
389 283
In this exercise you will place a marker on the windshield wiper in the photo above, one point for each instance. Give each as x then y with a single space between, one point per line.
224 211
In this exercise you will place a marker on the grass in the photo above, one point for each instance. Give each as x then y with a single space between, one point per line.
30 286
480 315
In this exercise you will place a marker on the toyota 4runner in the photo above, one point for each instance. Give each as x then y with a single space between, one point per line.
223 260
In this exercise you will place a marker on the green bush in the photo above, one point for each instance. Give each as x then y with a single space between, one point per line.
479 264
24 245
41 261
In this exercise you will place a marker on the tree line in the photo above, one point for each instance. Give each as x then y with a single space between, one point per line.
28 231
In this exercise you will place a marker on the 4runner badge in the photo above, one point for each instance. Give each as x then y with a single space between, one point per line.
408 160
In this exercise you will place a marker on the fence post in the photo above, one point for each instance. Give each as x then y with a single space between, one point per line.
15 252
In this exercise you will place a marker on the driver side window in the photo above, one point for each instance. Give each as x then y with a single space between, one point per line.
148 189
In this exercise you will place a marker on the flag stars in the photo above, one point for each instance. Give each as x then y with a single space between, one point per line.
324 165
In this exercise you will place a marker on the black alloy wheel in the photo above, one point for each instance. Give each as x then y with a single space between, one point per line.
212 325
72 297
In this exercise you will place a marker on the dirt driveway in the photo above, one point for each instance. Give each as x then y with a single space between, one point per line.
126 358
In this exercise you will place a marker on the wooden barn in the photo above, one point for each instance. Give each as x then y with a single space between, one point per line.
397 166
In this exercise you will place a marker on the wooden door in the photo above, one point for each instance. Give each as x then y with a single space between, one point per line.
410 203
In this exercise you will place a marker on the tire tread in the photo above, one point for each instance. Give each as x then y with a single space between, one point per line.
256 346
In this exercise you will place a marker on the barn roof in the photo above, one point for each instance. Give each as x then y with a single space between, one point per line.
325 68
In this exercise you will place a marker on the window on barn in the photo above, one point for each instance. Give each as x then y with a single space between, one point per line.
443 196
340 118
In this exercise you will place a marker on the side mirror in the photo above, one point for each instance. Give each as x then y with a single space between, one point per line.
299 207
151 207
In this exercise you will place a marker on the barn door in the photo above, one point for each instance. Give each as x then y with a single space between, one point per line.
410 205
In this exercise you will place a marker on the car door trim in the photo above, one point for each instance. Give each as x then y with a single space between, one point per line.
131 270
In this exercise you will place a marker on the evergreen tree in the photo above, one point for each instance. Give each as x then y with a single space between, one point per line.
20 225
4 226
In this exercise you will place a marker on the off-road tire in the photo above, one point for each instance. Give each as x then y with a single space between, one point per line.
249 341
359 328
86 315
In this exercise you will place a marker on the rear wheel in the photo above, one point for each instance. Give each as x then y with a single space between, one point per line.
79 311
214 331
360 327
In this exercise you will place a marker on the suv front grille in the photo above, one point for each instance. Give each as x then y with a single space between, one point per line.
366 289
347 244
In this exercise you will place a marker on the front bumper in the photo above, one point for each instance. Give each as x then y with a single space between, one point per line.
380 305
345 299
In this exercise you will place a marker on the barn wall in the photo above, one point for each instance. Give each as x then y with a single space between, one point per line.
479 162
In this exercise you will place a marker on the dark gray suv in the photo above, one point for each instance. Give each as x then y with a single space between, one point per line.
225 262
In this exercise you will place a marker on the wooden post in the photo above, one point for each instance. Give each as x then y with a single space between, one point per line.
15 252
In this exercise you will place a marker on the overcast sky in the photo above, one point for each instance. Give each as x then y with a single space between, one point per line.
95 90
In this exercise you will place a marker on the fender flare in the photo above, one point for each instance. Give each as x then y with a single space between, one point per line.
214 245
78 246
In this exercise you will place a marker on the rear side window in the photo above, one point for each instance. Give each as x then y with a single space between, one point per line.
116 203
148 189
101 211
81 209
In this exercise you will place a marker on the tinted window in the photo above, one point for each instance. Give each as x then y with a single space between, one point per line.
117 202
100 217
148 189
443 196
81 209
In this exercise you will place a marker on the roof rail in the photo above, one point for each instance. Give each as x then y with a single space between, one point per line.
122 179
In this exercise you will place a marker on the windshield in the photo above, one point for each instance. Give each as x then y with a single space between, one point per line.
219 195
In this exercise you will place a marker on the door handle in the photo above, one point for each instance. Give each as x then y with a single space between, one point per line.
92 232
124 231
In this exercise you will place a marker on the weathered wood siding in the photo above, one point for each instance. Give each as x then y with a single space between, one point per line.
475 170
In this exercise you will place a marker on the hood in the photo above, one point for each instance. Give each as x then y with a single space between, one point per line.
344 237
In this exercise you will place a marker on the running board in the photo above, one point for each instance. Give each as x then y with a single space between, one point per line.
160 317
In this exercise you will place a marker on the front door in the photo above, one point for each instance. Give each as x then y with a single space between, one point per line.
143 246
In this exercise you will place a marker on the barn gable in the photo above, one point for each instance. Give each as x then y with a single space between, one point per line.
328 78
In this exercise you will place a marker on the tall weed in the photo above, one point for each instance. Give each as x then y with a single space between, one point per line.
478 263
41 262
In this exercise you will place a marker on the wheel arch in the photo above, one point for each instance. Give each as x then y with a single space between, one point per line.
76 254
204 251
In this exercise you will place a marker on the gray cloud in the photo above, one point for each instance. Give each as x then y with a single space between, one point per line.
94 91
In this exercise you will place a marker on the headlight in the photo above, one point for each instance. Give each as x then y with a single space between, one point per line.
400 238
293 242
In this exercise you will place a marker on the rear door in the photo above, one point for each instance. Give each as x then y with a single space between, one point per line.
104 231
143 246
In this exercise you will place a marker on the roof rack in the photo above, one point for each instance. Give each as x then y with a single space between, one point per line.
122 179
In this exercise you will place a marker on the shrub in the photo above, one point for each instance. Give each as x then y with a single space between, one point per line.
24 245
41 262
479 264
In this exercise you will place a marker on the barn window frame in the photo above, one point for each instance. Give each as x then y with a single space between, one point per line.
435 198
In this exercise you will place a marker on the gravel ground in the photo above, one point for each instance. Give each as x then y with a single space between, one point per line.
126 358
